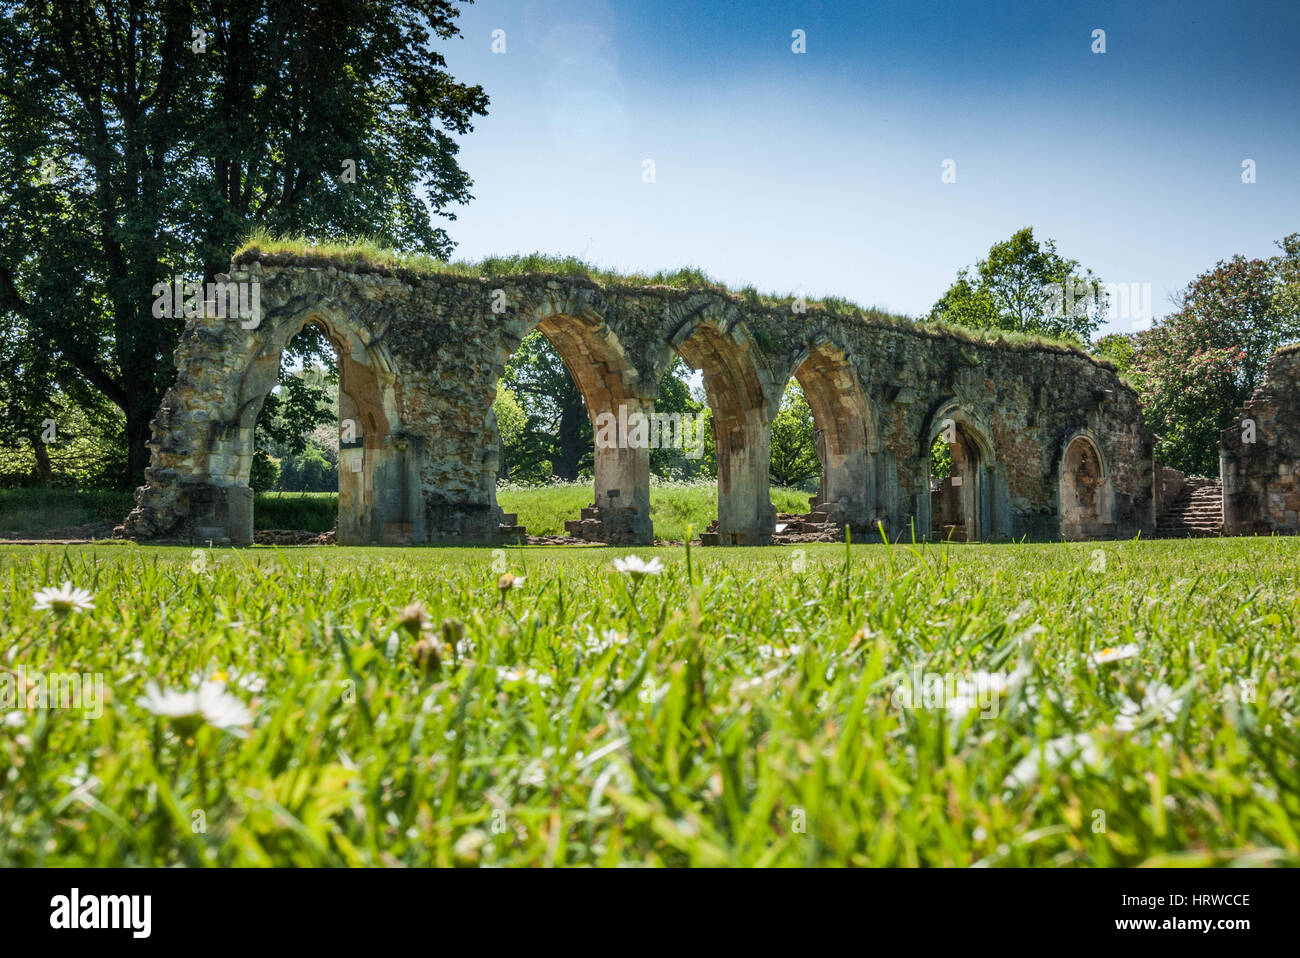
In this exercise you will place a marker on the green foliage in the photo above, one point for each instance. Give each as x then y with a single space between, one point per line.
1025 286
87 451
940 459
557 437
306 396
794 440
313 512
1196 367
264 473
1118 349
311 470
748 717
125 159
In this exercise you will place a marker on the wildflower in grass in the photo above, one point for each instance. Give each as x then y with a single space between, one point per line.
426 657
609 639
1066 748
507 582
638 568
412 619
1115 654
531 676
211 704
1158 700
63 600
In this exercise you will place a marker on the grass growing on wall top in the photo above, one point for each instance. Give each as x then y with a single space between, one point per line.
366 255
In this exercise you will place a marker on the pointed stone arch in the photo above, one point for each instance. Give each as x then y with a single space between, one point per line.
847 436
742 402
613 389
967 500
378 489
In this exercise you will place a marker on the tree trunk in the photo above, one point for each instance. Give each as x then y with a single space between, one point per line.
138 435
570 445
44 474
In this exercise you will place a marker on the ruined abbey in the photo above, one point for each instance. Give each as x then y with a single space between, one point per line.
1046 442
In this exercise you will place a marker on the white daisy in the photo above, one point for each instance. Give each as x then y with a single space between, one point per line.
637 567
1056 751
531 676
63 600
1107 656
1158 700
211 704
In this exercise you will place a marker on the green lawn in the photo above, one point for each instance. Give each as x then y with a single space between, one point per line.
674 506
542 509
751 715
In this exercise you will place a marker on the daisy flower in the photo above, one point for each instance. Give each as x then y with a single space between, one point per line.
637 567
211 704
1115 654
1159 700
63 600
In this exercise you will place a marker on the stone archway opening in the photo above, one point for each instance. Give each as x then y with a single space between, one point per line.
617 426
845 431
378 492
741 440
954 475
1083 502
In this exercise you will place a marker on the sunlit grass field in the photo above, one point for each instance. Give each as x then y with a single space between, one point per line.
1136 704
678 509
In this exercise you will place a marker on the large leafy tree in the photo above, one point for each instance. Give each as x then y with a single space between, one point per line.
140 139
545 428
1197 366
557 437
1028 287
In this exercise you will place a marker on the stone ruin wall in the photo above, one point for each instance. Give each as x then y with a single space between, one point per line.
421 356
1261 479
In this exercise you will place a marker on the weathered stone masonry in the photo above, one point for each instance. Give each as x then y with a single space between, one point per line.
1052 444
1259 455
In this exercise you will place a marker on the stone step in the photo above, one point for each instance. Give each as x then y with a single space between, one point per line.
511 530
590 512
708 538
509 518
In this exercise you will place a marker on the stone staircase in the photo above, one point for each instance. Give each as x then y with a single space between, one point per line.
790 529
612 524
589 527
1196 513
509 528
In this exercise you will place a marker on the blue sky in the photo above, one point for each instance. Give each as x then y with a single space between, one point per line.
821 171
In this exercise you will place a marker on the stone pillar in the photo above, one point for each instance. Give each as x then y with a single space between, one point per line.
622 476
745 512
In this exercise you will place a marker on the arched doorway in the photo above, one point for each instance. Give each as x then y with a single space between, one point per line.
739 412
379 498
954 486
1084 505
598 371
845 433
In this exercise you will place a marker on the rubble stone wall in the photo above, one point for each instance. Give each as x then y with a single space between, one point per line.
1259 454
421 355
